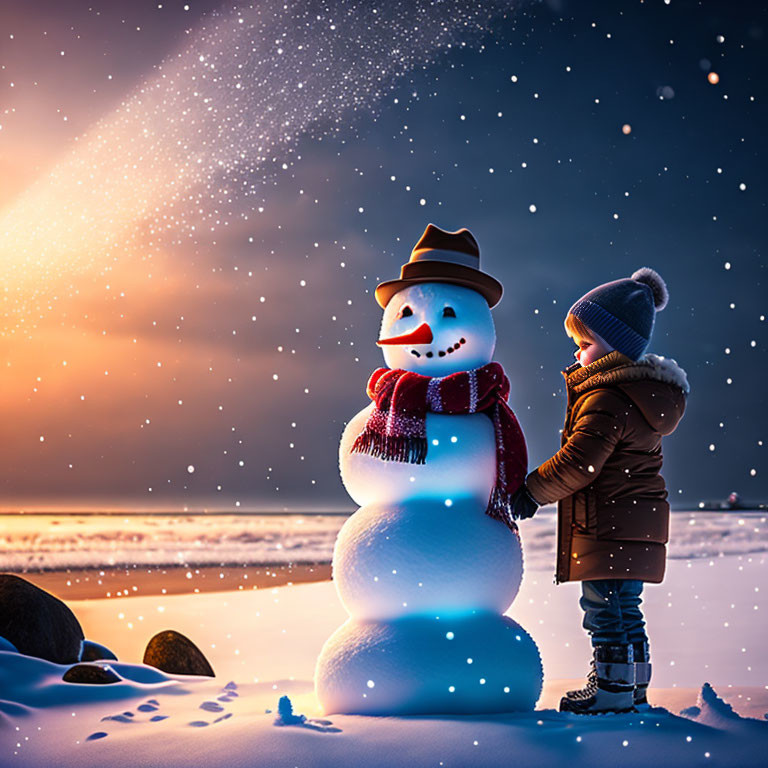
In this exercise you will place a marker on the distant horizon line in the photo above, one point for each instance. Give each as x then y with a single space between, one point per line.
171 510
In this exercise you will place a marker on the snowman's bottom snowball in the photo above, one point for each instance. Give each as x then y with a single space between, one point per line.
472 664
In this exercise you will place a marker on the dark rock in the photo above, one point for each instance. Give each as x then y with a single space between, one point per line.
96 652
38 623
175 654
92 674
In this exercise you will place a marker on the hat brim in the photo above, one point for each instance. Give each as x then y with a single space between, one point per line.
441 272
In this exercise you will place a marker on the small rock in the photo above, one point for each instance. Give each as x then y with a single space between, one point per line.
91 674
96 652
37 623
175 654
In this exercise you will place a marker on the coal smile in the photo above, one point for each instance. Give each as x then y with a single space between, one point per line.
442 352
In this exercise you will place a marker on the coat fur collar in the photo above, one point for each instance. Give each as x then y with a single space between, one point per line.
615 368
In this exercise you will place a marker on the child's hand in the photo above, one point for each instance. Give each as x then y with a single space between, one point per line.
524 505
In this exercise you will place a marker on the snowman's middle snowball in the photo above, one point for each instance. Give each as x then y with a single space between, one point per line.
421 557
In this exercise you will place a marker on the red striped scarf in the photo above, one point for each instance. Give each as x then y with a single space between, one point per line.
397 428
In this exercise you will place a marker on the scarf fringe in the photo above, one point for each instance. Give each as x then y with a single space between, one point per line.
408 449
500 507
396 429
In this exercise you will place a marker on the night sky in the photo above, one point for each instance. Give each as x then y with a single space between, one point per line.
196 205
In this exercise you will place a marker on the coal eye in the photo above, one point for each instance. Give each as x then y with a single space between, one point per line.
406 311
448 312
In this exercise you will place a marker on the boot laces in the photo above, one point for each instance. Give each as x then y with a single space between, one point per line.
590 689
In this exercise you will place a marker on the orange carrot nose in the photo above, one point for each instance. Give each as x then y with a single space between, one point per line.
422 335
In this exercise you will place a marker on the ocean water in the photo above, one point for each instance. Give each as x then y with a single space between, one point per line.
30 542
59 541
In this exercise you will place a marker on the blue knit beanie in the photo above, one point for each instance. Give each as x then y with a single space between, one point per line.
623 311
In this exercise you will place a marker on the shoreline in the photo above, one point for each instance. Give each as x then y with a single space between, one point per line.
100 583
133 512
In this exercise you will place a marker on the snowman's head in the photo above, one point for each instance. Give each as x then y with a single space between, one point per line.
436 329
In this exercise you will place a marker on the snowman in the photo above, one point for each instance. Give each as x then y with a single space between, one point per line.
431 560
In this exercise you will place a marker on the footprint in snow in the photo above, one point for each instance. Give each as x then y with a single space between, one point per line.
126 717
211 706
324 726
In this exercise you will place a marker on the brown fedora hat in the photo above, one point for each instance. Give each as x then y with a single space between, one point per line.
443 257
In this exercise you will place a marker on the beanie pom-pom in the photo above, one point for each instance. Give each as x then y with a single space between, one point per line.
655 282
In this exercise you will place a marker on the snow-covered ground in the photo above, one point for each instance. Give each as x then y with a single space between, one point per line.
94 541
707 623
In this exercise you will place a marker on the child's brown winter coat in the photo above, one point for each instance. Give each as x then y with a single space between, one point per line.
613 515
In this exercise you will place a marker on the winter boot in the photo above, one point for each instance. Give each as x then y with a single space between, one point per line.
591 681
610 683
642 674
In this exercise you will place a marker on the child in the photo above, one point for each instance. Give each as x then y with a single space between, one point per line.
613 515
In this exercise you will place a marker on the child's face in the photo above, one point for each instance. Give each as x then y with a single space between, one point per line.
590 349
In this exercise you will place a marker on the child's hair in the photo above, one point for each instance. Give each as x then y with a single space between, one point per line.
575 327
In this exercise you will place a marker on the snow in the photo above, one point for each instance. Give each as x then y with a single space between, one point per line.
707 624
266 643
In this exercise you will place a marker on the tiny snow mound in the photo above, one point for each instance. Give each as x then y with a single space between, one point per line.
38 684
711 710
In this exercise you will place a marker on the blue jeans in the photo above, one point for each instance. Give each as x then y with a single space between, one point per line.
612 611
